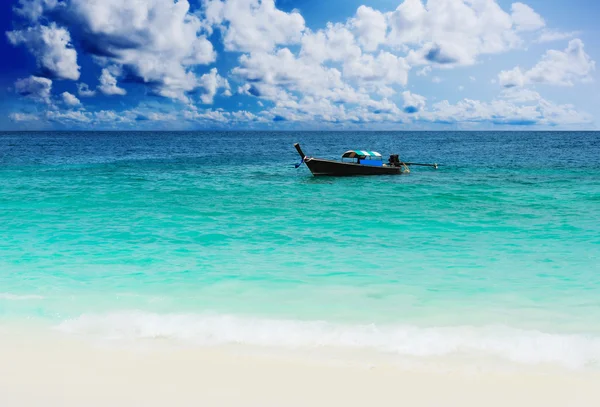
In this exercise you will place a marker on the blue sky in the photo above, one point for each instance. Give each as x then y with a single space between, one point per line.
308 64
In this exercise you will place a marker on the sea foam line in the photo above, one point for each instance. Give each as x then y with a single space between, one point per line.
516 345
17 297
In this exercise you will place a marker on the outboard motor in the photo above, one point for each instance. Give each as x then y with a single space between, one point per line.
394 160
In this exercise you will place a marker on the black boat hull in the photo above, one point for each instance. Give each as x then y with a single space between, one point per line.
320 167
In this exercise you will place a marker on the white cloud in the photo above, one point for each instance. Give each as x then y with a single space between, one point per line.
563 68
520 95
69 116
33 9
51 45
223 117
554 35
385 91
504 112
70 99
23 117
514 107
211 82
83 90
511 78
525 18
451 32
254 25
275 76
110 116
156 41
108 84
426 70
413 102
370 26
347 73
35 88
385 67
334 43
208 115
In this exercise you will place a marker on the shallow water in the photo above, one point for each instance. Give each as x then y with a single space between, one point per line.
215 237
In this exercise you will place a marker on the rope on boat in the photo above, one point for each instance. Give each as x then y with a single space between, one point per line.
302 161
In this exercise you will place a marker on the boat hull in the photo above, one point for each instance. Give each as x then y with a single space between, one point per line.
320 167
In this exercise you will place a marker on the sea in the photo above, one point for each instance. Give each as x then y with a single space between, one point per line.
215 238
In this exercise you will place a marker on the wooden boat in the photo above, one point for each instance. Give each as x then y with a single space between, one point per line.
363 162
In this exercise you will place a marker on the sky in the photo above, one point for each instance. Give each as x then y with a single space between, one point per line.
299 65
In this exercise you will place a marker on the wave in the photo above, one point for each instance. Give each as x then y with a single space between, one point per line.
516 345
17 297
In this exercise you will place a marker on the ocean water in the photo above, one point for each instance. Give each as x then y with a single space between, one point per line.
208 238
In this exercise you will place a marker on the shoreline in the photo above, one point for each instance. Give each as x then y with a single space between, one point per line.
68 371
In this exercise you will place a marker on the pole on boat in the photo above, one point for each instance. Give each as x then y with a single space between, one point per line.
299 150
423 165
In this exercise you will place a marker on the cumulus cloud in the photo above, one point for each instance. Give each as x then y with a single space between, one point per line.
512 108
34 87
83 90
275 75
504 112
347 73
335 43
108 84
23 117
451 32
511 78
554 35
222 117
385 67
34 9
75 116
562 68
426 70
413 102
525 18
520 95
51 45
155 41
70 99
211 82
112 117
370 26
253 25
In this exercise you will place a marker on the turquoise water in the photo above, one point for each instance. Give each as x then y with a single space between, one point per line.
214 237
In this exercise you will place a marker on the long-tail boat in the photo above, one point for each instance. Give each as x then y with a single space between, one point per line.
357 162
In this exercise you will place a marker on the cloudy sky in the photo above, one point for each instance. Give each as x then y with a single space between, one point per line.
305 64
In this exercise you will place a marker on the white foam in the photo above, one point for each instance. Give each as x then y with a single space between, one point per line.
516 345
16 297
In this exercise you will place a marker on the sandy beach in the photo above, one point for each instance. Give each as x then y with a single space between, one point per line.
63 371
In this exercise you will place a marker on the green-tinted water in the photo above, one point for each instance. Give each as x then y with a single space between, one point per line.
187 236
